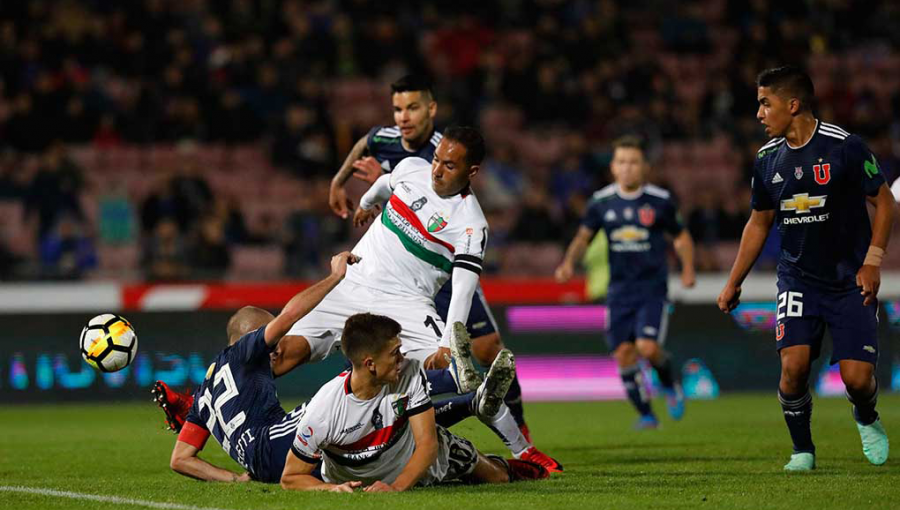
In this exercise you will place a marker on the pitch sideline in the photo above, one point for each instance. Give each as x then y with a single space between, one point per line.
104 499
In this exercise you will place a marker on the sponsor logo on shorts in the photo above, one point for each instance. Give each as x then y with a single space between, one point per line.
650 330
779 332
869 348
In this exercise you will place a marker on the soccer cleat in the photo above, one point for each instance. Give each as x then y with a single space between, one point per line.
489 395
462 369
874 442
542 459
175 405
521 470
646 422
801 462
523 428
675 401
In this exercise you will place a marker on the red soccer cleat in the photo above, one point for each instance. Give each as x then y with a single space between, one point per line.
520 470
536 456
175 405
525 432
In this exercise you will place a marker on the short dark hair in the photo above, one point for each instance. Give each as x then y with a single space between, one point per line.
245 320
471 139
789 81
366 334
629 142
412 83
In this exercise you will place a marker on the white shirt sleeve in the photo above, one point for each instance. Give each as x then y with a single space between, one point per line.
895 190
378 194
465 281
311 436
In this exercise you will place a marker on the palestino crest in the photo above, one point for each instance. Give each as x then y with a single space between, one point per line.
436 223
401 405
647 215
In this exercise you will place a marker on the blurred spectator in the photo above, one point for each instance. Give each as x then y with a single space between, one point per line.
67 253
164 256
116 215
209 256
55 189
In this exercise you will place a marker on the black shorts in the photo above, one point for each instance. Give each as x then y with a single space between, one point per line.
481 321
803 312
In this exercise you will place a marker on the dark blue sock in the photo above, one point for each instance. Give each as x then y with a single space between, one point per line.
454 410
797 411
665 372
441 381
631 379
864 407
513 400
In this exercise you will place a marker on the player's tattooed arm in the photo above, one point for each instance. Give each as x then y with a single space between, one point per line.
337 195
752 240
185 462
684 248
304 302
869 275
574 253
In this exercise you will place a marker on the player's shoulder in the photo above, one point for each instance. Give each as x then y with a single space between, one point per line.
657 191
603 194
411 373
770 147
329 397
411 164
384 133
472 210
436 138
834 131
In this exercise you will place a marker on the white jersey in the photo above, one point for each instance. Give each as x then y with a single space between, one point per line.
419 238
364 440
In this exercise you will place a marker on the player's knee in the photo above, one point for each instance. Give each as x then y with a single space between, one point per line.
485 348
648 349
858 382
794 377
625 354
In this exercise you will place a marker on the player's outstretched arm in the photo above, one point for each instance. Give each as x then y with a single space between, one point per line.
185 462
337 195
752 240
372 200
574 253
869 275
304 302
298 476
425 433
684 248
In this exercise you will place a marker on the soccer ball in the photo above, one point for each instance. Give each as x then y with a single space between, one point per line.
108 342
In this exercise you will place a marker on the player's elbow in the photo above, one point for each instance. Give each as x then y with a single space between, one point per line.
178 463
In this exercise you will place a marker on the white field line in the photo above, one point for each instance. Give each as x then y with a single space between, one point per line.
103 499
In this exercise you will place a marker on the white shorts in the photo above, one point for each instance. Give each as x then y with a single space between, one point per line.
322 327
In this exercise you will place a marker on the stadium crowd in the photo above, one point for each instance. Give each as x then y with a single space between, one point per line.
195 139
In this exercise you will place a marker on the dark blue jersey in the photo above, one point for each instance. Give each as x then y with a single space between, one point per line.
636 225
238 405
385 146
819 194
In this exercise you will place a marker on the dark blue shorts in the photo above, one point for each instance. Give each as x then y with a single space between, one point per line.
481 321
640 319
804 311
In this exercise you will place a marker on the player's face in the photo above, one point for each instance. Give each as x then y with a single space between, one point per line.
628 167
414 113
388 362
775 112
450 172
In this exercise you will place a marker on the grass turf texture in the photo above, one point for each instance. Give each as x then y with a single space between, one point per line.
725 454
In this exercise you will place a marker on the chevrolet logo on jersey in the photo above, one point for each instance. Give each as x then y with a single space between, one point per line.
629 238
802 203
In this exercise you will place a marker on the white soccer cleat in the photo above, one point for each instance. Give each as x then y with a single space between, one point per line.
875 443
489 396
461 367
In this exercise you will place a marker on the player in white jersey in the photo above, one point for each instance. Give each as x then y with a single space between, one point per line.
374 426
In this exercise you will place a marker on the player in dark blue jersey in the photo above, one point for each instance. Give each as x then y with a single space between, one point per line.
637 218
814 179
237 403
415 135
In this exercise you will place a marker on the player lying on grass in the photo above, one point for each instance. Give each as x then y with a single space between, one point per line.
814 179
414 135
237 402
374 426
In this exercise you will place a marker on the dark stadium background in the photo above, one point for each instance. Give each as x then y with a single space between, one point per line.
155 145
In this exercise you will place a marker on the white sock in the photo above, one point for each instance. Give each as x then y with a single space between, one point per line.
504 425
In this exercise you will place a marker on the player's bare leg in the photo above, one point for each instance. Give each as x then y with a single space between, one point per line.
626 356
484 349
650 350
796 404
862 391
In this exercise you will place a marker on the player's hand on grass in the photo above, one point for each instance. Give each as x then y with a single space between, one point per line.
564 272
688 278
245 477
340 262
729 298
869 278
337 199
367 169
362 216
380 486
345 487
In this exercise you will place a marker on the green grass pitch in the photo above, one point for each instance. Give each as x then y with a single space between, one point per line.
725 454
